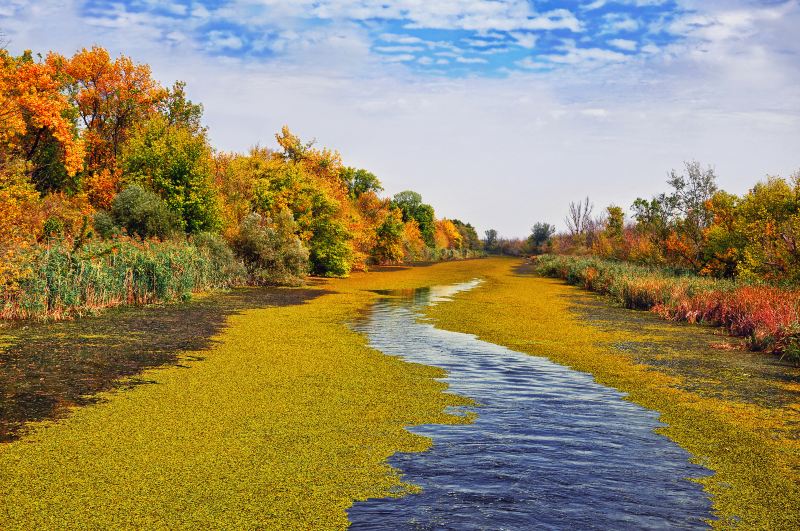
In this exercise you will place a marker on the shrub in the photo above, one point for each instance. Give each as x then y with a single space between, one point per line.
144 214
271 251
61 281
768 316
104 224
225 268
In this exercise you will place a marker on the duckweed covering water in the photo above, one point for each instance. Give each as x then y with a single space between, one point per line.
733 428
287 419
290 417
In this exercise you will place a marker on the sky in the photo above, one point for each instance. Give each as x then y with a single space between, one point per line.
499 112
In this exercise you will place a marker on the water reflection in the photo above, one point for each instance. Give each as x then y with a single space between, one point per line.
550 448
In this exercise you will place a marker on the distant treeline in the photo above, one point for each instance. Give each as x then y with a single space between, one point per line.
694 227
110 192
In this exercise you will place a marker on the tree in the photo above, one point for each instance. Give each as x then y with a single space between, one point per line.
175 162
111 96
490 241
360 181
540 234
388 246
579 217
690 196
141 213
469 236
615 222
410 203
36 120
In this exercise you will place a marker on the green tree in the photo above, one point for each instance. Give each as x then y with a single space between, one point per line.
540 234
175 162
389 239
141 213
490 240
469 236
360 181
411 205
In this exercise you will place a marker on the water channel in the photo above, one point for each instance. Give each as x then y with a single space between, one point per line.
549 448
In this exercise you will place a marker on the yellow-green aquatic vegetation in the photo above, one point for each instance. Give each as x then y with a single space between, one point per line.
285 422
751 445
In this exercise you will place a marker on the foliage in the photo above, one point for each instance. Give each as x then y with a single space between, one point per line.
697 227
141 213
768 317
271 251
92 149
175 162
540 236
62 281
360 181
411 205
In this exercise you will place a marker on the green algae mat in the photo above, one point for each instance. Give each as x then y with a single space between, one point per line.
736 412
287 419
286 416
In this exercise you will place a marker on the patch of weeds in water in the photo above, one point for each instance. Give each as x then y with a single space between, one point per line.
48 367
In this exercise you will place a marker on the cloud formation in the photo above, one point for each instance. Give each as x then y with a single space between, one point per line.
498 112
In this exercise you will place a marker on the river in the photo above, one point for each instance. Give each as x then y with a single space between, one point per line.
549 448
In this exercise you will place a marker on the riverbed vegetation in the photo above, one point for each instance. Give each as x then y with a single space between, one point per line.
695 253
111 193
767 316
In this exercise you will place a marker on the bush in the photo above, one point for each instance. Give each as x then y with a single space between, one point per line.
271 251
104 225
225 268
144 214
769 317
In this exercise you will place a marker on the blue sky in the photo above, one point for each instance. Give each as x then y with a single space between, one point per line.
497 111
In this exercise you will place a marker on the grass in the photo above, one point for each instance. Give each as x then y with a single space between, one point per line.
60 281
767 316
752 447
288 419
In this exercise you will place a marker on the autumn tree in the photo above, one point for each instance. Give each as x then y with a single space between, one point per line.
469 236
37 120
111 96
411 205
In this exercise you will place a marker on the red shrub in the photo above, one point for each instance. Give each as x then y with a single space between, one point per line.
767 316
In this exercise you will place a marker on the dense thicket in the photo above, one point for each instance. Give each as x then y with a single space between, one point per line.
104 171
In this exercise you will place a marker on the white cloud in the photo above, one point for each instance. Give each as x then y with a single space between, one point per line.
470 60
624 44
224 40
525 40
616 23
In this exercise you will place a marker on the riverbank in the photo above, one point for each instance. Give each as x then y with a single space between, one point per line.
767 316
738 415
